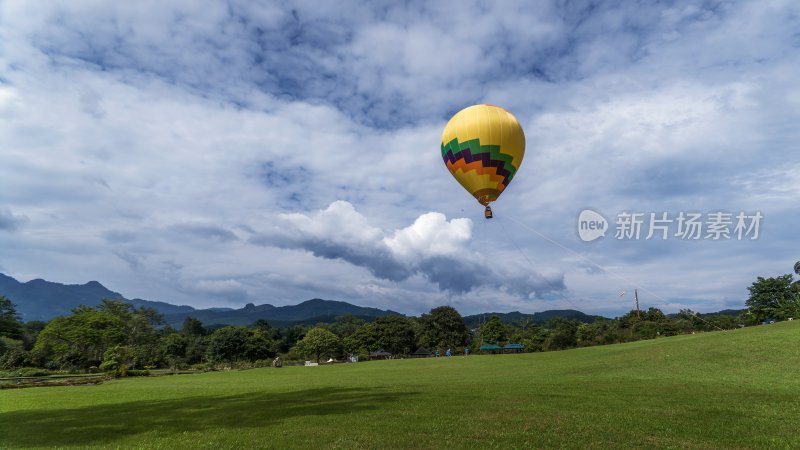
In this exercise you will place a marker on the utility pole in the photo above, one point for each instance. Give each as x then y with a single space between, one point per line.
636 296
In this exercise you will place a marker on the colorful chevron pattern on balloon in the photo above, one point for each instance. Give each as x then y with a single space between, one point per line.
485 161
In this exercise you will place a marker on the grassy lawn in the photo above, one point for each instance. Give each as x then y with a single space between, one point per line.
735 389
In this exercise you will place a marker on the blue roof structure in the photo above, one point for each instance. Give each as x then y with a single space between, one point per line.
513 346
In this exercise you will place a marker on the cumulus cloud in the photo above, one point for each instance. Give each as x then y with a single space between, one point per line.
432 246
431 235
338 232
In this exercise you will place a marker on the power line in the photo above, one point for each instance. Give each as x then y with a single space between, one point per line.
553 287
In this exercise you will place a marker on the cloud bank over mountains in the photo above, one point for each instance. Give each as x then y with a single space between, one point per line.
432 246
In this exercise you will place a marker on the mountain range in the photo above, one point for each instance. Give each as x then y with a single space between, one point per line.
44 300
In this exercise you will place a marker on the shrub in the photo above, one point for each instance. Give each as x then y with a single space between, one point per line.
116 361
32 372
13 358
203 367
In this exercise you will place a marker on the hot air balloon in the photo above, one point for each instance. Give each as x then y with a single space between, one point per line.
483 147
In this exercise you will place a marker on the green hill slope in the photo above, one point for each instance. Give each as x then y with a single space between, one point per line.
735 389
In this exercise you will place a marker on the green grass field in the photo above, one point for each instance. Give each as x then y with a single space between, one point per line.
736 389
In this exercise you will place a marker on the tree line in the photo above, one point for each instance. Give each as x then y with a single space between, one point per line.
117 338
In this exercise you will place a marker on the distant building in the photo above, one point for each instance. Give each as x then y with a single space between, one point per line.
380 354
422 352
514 348
490 348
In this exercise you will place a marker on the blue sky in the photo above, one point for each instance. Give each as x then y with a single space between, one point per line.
227 153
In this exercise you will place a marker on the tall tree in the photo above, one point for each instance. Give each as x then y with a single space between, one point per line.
196 343
345 325
173 347
563 333
362 340
286 338
773 298
141 336
10 325
395 334
79 340
493 331
192 327
318 342
228 344
443 327
30 330
262 325
259 346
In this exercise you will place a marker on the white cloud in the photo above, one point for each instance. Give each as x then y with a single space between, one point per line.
340 223
431 235
432 247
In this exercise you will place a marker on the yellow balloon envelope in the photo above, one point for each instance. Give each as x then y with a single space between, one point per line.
483 147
